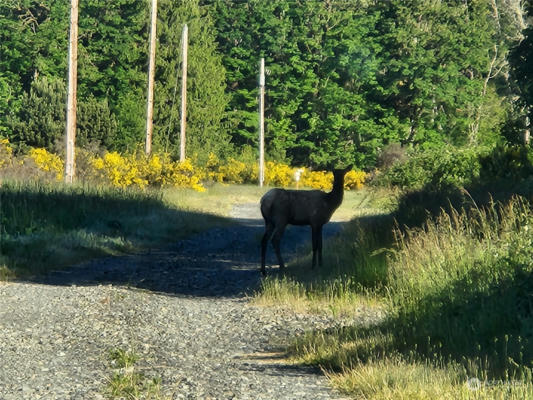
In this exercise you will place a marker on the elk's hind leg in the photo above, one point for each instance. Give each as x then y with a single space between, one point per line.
316 239
276 242
269 229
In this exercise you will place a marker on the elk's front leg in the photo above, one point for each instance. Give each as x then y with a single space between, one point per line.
319 246
269 228
315 235
276 242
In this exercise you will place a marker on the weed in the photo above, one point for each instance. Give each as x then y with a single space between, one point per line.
127 382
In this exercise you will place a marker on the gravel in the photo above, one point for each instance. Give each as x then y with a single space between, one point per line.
184 311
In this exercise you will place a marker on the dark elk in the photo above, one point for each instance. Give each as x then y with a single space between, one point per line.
299 207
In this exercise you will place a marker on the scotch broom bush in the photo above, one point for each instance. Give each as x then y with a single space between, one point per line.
159 170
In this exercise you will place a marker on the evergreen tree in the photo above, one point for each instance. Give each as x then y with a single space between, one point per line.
95 123
521 59
41 121
206 97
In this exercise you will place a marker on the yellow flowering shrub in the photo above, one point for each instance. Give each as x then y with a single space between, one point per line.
278 174
119 170
181 174
138 170
317 179
354 180
235 171
47 161
212 172
151 168
6 153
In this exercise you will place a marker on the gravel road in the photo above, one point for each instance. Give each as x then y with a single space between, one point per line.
183 310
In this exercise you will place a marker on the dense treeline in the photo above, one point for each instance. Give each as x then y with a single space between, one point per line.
345 78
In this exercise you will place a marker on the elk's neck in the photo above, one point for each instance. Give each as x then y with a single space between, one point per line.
336 195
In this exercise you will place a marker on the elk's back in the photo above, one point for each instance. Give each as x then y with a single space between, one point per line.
295 207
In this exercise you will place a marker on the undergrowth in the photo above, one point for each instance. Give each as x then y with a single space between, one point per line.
456 293
49 226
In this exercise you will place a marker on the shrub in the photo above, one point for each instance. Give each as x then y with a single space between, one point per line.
118 170
41 121
390 155
511 162
278 174
159 170
354 180
317 179
435 169
6 153
233 171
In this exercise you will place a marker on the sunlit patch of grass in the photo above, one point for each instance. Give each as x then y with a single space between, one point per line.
334 298
397 379
127 382
218 199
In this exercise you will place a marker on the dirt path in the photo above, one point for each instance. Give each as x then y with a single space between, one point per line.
183 311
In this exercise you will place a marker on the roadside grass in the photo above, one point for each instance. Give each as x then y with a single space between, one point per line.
219 198
457 298
355 262
49 226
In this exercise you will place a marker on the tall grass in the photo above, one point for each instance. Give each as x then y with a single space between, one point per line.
462 286
458 298
355 268
47 226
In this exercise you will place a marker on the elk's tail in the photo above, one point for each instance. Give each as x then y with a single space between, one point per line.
267 202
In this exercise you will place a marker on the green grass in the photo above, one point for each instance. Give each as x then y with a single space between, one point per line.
46 226
50 226
457 298
127 382
355 263
218 198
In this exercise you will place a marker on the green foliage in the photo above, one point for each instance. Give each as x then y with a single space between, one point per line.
95 123
112 52
344 79
206 97
41 121
453 281
316 113
435 169
520 59
511 163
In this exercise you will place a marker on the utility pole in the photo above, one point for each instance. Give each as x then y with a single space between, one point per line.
71 96
183 122
151 74
262 122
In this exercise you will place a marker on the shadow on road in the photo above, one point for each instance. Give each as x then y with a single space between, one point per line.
220 262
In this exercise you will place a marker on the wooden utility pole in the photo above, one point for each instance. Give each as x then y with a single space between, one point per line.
183 122
151 74
262 122
71 96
